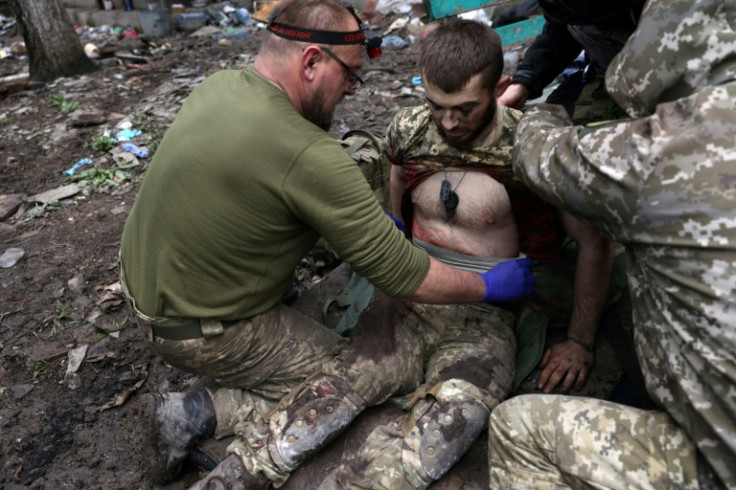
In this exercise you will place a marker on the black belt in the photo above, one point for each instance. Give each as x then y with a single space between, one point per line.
187 330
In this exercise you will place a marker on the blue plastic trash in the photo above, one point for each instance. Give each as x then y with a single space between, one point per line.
131 148
75 167
127 134
394 42
243 16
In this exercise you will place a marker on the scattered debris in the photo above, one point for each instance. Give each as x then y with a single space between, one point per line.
128 134
122 397
9 204
125 158
84 118
11 257
100 357
76 166
76 284
91 50
57 194
131 148
112 297
19 391
394 42
395 26
76 357
108 325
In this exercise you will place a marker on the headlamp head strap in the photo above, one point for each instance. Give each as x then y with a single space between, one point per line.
315 36
318 36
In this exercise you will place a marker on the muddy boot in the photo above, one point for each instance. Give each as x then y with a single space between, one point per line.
210 452
230 474
177 421
311 418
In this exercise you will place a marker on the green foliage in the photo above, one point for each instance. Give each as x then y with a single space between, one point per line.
41 209
60 104
34 135
63 314
102 143
97 177
153 146
40 367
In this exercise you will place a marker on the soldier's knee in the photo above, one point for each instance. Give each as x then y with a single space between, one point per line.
310 419
445 431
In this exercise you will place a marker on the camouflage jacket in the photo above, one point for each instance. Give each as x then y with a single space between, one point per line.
664 184
413 141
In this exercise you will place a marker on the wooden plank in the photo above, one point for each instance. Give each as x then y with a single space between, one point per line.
521 32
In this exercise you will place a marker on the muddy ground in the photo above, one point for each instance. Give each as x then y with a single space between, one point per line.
73 366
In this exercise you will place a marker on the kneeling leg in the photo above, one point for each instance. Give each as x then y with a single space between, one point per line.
421 446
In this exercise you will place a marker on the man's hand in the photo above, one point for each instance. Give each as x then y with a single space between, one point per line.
509 281
514 96
567 362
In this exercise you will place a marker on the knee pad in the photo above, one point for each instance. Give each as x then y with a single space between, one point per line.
446 430
310 419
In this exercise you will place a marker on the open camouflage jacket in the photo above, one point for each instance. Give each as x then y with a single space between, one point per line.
664 184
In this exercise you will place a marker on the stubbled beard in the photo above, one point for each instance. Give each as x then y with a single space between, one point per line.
466 141
317 112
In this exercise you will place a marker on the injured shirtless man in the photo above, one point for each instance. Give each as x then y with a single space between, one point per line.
454 189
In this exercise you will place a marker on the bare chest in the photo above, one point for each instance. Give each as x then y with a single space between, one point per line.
469 212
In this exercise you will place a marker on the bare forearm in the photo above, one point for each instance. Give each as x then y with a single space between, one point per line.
446 285
592 276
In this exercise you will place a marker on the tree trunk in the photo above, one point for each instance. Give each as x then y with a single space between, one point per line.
53 47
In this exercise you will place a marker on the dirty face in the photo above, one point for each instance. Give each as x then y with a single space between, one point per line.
463 115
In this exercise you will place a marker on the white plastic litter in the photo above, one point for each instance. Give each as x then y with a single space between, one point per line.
11 257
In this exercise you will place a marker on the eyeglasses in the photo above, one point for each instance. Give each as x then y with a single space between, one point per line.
354 80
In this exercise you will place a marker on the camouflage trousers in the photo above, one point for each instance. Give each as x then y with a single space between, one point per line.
451 363
254 363
553 441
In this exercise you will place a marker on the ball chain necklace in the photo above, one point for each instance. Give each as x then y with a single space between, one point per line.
449 196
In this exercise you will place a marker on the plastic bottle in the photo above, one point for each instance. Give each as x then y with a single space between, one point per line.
243 15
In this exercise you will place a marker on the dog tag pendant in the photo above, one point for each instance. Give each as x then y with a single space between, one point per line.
445 190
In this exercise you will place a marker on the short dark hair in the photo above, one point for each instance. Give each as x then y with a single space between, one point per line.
320 15
458 49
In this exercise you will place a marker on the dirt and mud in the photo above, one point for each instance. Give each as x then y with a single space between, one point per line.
73 364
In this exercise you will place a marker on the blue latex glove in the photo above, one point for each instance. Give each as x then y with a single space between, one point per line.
398 223
508 281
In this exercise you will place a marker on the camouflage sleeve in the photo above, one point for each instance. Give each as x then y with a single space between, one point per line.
592 173
392 141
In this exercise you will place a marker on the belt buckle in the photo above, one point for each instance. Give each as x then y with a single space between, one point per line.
211 328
